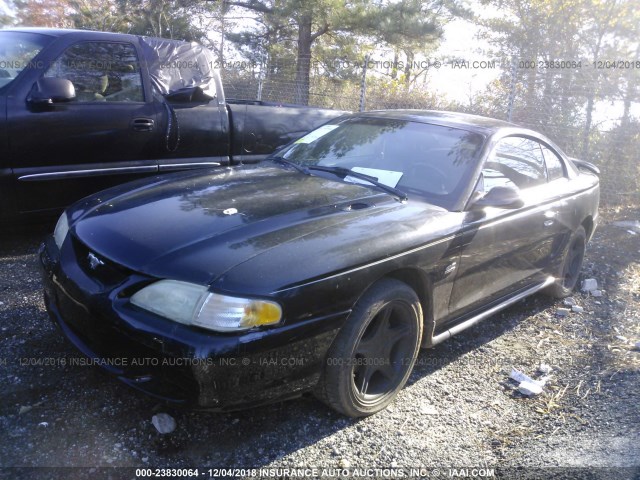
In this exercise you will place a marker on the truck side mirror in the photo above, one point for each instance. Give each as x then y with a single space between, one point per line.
50 90
499 197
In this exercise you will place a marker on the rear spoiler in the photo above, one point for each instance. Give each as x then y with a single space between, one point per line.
582 165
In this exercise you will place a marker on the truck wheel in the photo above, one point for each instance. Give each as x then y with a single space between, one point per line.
374 353
571 266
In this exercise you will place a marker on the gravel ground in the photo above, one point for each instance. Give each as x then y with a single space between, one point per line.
459 410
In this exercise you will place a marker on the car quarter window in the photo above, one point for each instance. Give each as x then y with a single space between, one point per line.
514 161
555 169
101 72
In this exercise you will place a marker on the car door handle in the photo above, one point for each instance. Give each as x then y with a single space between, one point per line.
142 124
550 216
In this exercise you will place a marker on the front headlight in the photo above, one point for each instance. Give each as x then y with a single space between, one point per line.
61 230
194 305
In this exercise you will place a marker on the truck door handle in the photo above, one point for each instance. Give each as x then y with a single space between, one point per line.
142 124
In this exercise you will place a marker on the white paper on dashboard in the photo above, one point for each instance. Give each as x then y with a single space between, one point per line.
386 177
316 134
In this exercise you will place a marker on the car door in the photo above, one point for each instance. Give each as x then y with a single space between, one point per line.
106 135
560 215
506 250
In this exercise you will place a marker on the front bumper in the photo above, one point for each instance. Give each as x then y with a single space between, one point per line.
174 362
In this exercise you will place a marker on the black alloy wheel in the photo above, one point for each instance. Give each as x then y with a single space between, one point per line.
373 355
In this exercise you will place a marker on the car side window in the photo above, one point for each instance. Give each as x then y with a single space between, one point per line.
555 169
515 161
101 72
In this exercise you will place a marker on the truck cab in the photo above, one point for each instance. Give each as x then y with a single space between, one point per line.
81 111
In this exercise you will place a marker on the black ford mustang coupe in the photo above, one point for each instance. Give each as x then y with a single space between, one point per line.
324 268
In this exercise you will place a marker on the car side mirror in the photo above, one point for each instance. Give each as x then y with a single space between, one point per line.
499 197
50 90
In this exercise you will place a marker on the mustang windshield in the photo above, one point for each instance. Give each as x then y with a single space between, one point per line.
17 50
421 159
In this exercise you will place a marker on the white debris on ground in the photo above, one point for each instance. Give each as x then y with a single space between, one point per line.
529 388
571 306
544 368
589 285
164 423
527 385
428 410
27 408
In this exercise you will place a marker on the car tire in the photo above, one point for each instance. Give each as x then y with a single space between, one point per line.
373 355
571 265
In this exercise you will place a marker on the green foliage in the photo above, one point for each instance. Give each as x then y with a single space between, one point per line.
5 20
334 35
616 152
42 13
159 18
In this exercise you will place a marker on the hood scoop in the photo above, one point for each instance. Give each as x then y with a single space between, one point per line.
355 206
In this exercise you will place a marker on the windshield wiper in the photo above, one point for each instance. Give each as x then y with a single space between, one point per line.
367 178
282 161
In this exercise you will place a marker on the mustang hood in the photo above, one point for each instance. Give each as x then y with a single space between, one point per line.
195 226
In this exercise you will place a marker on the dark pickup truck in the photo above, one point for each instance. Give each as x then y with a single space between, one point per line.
81 111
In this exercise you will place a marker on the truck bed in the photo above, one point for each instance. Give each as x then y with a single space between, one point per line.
259 127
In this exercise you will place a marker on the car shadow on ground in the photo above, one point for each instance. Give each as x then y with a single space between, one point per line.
23 239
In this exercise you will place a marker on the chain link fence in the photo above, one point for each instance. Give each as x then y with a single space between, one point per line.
587 109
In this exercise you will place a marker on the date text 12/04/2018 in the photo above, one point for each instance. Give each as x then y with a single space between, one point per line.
578 64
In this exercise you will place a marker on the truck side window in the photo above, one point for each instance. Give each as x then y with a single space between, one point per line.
101 72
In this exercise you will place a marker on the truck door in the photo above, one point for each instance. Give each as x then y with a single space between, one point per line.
108 134
6 200
195 134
